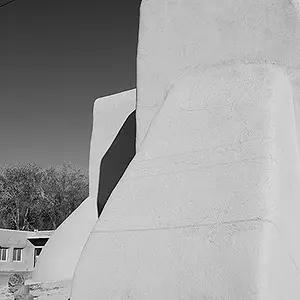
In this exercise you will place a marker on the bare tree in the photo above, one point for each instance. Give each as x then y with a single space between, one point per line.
64 187
32 197
19 195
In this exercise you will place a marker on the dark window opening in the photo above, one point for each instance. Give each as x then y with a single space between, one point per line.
38 241
37 252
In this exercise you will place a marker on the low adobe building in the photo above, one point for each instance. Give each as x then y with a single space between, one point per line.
19 250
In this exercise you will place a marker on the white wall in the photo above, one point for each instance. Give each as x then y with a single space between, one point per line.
109 115
209 207
60 256
177 34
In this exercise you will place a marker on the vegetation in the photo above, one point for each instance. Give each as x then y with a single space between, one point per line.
35 198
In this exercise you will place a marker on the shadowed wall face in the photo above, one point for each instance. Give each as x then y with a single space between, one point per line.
115 161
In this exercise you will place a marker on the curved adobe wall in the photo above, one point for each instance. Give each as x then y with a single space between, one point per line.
59 258
209 206
61 253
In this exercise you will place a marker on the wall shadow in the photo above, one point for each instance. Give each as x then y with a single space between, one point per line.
116 159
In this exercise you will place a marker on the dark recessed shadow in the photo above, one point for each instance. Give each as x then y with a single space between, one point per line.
116 159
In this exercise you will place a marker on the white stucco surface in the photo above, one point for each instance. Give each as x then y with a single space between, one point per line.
177 34
60 256
61 253
209 207
109 115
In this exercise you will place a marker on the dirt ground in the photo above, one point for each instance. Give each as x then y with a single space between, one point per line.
43 291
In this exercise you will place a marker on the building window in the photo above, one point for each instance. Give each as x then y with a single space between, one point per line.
3 253
17 254
37 252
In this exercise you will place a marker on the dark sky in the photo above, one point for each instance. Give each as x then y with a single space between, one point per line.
56 58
